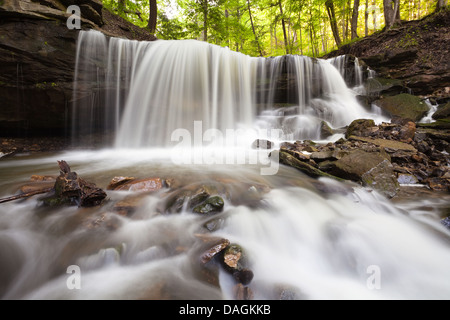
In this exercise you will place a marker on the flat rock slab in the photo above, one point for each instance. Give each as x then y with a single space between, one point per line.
390 144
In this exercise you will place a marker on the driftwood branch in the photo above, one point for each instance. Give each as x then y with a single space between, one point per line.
69 188
26 195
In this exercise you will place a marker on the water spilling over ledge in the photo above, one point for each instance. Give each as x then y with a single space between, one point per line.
143 91
303 238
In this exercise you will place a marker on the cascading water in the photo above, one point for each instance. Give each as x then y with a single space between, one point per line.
304 238
152 89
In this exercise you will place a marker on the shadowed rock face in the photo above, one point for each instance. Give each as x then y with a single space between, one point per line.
415 52
37 62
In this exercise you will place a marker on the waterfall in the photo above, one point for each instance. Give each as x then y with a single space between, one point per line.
302 238
143 91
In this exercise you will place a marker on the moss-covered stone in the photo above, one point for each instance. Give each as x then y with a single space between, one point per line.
359 127
211 205
441 124
288 159
442 112
404 105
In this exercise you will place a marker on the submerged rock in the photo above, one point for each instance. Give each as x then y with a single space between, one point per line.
189 197
242 293
211 205
244 276
117 182
139 185
128 205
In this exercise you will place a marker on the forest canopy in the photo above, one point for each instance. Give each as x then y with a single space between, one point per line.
271 27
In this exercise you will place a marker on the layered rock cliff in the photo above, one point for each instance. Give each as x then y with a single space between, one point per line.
37 61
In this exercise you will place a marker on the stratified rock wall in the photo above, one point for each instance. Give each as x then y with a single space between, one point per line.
415 52
37 62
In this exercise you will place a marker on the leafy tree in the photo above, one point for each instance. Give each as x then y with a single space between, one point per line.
270 27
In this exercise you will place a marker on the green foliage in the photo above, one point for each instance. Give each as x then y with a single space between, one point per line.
256 26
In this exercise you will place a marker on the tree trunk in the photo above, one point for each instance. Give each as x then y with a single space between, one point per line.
121 6
441 4
152 19
300 33
284 28
205 20
355 19
345 20
333 23
366 19
253 28
391 14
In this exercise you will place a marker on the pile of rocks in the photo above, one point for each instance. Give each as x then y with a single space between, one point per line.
380 156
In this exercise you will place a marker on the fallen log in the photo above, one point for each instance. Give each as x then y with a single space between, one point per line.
68 189
25 195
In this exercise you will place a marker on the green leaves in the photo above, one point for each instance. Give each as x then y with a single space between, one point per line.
255 27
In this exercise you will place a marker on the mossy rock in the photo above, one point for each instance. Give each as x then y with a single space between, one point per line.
443 112
441 124
359 127
404 105
211 205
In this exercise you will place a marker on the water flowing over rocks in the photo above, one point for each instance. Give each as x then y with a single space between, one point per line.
175 218
37 62
378 156
414 54
404 105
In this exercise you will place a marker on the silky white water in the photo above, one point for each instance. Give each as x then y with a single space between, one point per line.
327 241
304 238
144 91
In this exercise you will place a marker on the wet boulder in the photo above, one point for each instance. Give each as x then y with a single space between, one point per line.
325 130
69 189
361 127
119 181
215 248
211 205
234 258
404 105
129 205
372 169
382 178
141 185
188 198
442 112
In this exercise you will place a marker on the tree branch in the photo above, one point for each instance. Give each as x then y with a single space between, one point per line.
26 195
